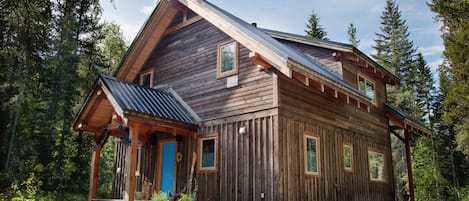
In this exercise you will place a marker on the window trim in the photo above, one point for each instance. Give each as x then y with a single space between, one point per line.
372 81
143 74
349 170
318 155
199 153
236 67
385 179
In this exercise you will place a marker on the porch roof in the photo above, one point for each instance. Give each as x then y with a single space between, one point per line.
153 102
127 100
405 121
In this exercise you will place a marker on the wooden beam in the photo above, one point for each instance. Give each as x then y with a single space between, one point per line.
257 59
132 164
182 25
94 172
409 164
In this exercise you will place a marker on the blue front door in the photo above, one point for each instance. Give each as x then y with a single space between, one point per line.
168 161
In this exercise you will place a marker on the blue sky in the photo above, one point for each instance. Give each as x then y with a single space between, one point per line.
291 16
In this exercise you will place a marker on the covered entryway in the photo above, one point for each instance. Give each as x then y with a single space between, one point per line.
151 125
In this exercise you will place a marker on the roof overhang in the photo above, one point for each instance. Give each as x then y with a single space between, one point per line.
400 120
102 109
346 51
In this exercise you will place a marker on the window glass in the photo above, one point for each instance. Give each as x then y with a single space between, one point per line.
311 155
145 80
227 64
227 58
367 87
376 165
348 157
208 153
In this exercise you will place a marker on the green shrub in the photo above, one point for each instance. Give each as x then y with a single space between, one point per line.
161 196
186 197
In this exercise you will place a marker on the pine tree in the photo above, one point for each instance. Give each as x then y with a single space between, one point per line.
395 52
352 35
455 18
425 90
313 28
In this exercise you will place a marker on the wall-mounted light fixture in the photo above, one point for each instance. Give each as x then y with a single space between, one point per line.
242 130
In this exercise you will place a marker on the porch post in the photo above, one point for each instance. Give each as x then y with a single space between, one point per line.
409 164
132 164
94 172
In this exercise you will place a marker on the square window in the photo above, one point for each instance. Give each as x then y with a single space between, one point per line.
376 162
227 63
311 154
208 154
348 157
367 87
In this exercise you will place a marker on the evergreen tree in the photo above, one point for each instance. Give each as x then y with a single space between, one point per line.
352 35
395 52
425 90
455 18
313 28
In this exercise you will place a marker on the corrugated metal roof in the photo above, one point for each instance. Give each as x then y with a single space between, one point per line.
153 102
281 49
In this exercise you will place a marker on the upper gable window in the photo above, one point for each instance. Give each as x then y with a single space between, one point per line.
146 78
367 87
227 59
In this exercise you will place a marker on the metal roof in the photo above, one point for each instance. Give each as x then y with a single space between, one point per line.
152 102
278 48
327 44
403 117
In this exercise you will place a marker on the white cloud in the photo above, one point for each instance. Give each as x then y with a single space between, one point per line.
434 65
130 31
146 10
432 50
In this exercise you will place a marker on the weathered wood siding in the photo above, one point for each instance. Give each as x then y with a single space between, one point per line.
247 163
321 55
147 167
303 109
186 62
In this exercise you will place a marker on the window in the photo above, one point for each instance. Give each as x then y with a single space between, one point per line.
348 157
227 63
146 78
376 164
366 86
208 153
311 154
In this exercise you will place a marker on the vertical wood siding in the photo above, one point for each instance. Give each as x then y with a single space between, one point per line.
247 162
302 109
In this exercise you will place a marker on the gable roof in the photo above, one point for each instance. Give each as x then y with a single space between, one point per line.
153 102
348 48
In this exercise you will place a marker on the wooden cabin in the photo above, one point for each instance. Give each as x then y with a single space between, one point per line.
250 113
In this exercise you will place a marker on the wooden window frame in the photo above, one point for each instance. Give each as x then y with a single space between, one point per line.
385 179
143 74
318 156
236 67
199 153
345 144
367 79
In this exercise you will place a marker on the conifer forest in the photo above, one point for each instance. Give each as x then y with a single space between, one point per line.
51 53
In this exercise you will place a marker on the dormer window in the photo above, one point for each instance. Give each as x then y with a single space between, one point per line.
366 86
227 59
146 78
